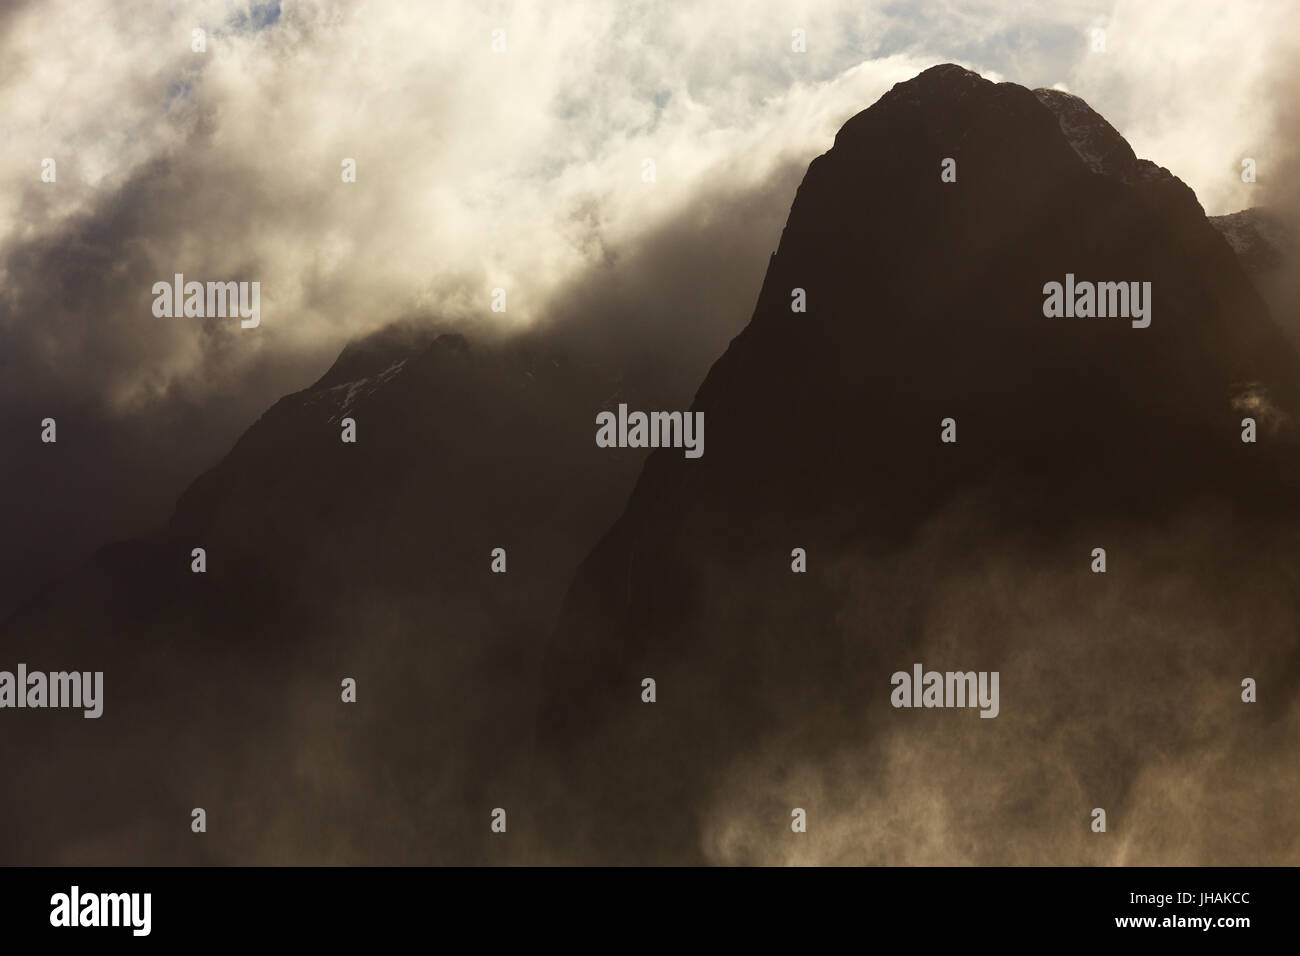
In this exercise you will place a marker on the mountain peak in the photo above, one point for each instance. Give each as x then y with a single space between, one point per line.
378 350
951 100
946 80
948 73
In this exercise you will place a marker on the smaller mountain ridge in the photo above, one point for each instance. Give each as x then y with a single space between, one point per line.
1262 238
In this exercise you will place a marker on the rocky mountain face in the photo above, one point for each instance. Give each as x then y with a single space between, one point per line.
1097 143
525 690
925 302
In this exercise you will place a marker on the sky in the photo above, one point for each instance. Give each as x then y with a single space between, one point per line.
521 168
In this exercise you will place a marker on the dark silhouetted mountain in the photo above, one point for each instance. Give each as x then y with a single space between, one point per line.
925 301
327 560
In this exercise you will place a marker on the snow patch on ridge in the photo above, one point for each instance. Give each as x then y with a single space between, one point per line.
345 396
1096 142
